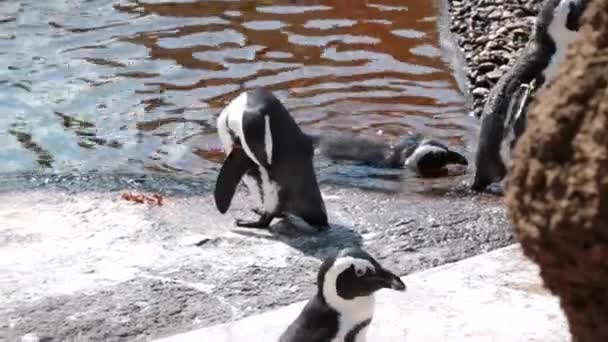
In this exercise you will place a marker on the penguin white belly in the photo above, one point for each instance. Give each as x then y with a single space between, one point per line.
254 188
267 139
346 327
352 313
561 36
270 191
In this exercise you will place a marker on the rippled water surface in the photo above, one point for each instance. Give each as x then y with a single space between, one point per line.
136 85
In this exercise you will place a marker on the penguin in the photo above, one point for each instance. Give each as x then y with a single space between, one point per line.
422 155
343 307
557 25
266 148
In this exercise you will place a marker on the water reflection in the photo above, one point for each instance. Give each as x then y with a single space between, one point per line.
136 85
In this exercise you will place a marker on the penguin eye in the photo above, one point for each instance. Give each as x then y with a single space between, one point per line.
359 272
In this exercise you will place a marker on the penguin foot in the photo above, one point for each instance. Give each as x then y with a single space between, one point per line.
262 222
258 211
495 189
262 212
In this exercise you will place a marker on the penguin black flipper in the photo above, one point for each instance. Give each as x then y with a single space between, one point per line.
233 169
316 323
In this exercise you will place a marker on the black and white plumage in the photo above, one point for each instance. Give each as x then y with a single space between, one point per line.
343 307
266 148
422 155
556 28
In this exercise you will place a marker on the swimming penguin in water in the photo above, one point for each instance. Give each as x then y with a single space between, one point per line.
343 307
556 27
266 148
422 155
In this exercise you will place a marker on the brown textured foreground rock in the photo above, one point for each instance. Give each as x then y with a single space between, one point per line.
557 193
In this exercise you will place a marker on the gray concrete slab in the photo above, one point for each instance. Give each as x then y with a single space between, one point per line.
76 261
496 296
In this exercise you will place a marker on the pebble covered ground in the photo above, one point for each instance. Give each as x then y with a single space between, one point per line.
490 33
79 262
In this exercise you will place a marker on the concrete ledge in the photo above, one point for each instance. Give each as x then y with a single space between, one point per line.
497 296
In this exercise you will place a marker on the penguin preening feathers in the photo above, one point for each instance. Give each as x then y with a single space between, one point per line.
556 27
266 148
343 306
422 155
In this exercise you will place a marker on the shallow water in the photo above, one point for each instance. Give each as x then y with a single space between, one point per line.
136 85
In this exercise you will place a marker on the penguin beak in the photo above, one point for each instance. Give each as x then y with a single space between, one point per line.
387 280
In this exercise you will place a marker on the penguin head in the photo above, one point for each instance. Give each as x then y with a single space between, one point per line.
430 157
561 17
570 11
353 274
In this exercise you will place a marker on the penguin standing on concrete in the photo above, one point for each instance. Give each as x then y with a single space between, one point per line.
557 25
422 155
343 307
266 148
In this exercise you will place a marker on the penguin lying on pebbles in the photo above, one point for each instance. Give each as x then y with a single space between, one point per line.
422 155
557 25
343 307
266 148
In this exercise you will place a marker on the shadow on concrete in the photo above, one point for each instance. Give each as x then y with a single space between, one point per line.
308 241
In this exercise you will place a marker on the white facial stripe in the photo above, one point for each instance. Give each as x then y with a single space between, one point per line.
235 122
233 115
330 292
268 139
352 311
234 108
412 161
562 37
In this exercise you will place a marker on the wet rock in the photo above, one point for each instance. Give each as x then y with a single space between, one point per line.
502 31
507 15
479 92
557 192
496 14
491 33
494 75
487 66
481 40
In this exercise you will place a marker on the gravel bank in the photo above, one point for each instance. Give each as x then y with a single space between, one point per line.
80 263
490 33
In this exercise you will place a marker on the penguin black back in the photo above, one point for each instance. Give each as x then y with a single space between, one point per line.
289 138
292 162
